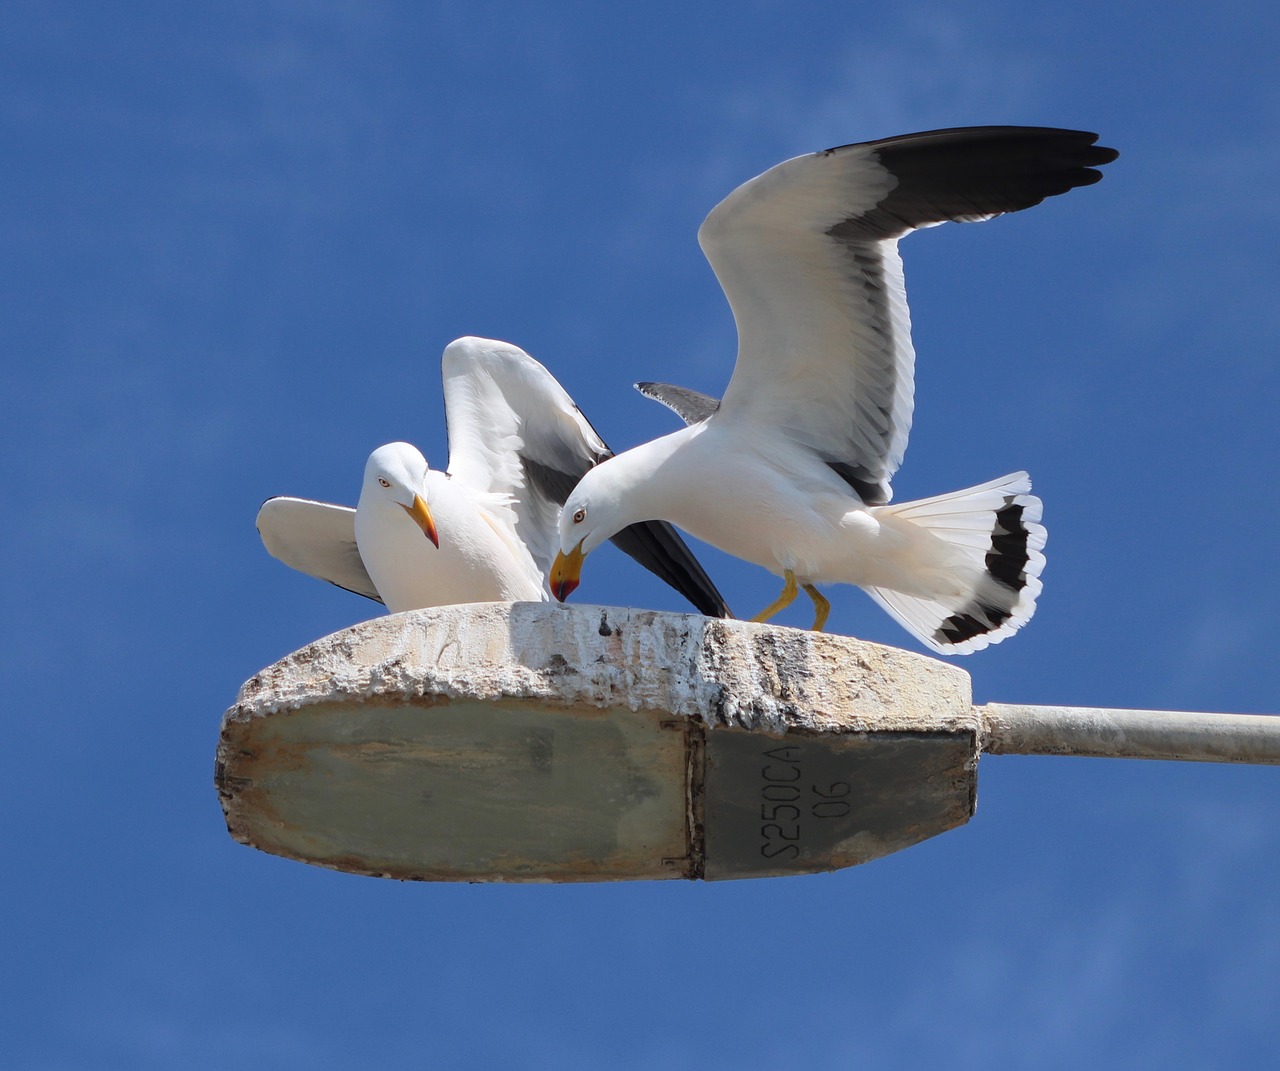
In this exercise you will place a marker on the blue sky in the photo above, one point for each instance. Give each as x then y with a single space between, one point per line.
236 238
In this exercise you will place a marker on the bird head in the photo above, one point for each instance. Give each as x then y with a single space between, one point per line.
397 474
590 516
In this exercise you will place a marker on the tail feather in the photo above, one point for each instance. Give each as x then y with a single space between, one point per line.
996 540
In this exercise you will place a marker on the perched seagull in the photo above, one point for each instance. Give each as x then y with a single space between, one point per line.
486 529
791 469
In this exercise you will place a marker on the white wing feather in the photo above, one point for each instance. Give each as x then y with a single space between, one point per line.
824 335
316 538
506 413
807 254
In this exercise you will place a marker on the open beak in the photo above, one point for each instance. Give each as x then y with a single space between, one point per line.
565 571
422 518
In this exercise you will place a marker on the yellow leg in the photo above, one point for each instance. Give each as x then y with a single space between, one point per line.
784 600
821 608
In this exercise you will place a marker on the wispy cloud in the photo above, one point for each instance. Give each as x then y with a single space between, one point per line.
926 69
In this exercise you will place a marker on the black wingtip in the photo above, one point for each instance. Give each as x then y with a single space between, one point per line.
971 173
658 547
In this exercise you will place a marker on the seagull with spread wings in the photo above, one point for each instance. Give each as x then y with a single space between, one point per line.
791 469
485 529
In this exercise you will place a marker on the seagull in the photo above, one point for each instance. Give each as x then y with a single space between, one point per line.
791 469
485 529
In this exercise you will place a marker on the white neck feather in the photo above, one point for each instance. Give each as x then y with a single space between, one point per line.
631 487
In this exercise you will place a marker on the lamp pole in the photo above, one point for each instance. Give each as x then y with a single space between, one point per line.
1021 729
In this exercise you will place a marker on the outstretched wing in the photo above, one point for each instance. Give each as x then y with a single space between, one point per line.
807 255
514 430
316 538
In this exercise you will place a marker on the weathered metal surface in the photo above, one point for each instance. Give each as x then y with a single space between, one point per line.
537 742
1009 729
461 790
799 804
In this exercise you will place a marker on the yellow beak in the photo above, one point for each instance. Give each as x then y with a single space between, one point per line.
565 571
422 517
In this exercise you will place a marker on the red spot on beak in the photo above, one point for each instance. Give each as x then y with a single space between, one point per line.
565 571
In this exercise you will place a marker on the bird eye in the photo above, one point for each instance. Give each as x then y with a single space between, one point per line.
385 483
579 516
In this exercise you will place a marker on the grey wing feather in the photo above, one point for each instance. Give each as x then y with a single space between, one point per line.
316 538
691 406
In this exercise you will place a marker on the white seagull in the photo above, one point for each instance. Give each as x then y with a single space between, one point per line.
791 469
485 530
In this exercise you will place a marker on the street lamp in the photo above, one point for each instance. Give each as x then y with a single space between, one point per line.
539 742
